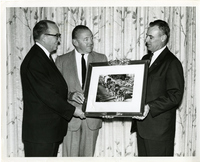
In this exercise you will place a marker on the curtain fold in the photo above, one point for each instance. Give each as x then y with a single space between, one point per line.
119 32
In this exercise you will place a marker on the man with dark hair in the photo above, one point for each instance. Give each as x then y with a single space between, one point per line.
165 87
46 112
82 134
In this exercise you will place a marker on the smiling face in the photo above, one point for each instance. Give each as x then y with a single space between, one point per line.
84 41
155 39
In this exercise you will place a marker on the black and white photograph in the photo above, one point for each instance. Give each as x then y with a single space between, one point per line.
115 88
110 87
105 80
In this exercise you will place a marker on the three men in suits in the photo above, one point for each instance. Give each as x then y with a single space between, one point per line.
46 111
165 87
82 134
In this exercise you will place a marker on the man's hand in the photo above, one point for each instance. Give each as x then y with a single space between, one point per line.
77 97
146 111
79 113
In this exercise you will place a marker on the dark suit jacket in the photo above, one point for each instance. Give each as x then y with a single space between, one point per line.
46 110
67 65
165 87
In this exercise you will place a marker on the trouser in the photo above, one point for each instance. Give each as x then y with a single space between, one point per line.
154 148
41 149
81 142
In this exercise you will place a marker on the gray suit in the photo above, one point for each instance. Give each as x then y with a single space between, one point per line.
67 66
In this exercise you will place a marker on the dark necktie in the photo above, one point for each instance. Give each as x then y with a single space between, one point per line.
83 69
151 55
51 58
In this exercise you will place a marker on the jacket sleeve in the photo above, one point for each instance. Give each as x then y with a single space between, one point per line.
105 58
50 94
173 93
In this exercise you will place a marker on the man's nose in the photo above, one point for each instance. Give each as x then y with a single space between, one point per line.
146 39
90 41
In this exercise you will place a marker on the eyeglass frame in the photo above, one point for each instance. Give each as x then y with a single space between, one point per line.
58 35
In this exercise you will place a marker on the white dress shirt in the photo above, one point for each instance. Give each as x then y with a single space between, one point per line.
156 54
44 49
78 57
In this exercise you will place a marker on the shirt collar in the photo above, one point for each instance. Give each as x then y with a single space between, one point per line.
158 52
44 49
79 54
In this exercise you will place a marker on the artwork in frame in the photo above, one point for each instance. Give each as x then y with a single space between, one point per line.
116 90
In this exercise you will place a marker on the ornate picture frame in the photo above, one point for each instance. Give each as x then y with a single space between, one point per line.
116 88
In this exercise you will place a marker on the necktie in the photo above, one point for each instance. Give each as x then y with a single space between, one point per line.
83 64
150 58
51 58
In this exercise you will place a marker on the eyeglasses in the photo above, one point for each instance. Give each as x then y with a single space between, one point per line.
58 35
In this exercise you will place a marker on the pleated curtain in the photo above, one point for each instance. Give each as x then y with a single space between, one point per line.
119 33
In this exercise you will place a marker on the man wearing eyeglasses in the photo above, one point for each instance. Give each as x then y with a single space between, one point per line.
46 112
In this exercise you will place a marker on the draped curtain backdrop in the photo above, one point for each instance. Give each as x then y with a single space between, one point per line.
119 32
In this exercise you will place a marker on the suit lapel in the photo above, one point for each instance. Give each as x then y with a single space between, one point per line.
48 61
90 58
74 73
159 60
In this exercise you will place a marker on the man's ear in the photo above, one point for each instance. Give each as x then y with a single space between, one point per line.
164 38
42 38
74 42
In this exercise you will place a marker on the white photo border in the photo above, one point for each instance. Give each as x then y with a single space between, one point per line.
139 68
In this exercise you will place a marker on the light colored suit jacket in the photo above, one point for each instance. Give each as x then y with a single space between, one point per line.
67 65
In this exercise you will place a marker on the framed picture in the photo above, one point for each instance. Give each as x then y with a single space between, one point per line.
116 90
